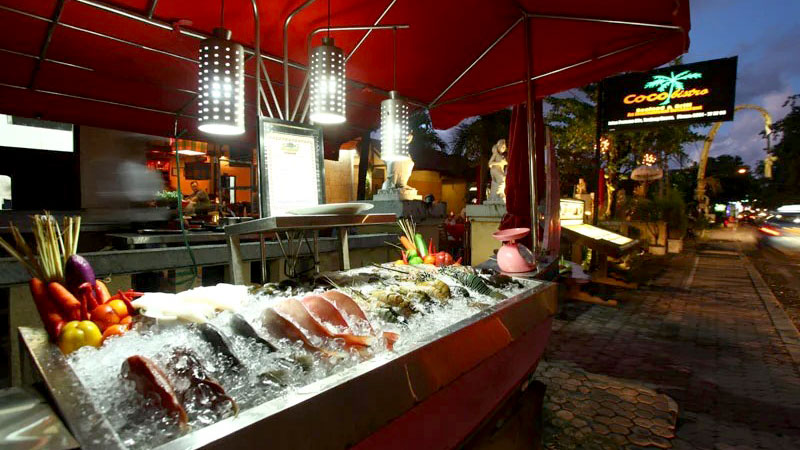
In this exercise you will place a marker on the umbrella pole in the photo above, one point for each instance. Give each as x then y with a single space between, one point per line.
598 136
531 140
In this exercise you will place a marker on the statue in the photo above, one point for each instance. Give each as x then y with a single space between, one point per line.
580 188
497 170
640 190
622 199
768 163
397 174
396 187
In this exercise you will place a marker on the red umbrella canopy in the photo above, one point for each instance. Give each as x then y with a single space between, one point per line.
131 64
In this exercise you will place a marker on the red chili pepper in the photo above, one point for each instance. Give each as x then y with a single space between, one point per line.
84 308
405 258
127 302
86 290
431 248
458 261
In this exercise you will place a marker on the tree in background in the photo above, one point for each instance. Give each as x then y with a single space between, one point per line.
474 140
784 187
572 121
424 136
727 184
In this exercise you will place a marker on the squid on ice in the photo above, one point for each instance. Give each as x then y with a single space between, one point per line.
195 305
196 389
151 381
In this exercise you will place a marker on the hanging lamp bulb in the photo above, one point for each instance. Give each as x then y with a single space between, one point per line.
395 130
327 83
221 81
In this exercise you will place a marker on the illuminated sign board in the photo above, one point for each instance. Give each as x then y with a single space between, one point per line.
697 92
292 167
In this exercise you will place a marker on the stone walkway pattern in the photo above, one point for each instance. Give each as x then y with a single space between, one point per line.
596 411
700 334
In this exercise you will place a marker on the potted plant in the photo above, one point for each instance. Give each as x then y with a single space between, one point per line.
674 214
650 213
167 198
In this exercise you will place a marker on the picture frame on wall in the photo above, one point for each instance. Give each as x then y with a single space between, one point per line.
291 159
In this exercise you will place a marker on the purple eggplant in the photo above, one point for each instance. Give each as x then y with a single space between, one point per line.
78 271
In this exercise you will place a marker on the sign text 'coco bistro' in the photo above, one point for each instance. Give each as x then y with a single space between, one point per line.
698 92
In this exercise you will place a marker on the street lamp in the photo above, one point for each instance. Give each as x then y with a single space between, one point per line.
742 170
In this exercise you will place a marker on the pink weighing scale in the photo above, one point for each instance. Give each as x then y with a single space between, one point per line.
509 257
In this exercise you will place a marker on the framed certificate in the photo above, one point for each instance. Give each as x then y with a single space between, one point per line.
292 169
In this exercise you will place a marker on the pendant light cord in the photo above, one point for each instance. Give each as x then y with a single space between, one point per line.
394 59
329 18
222 15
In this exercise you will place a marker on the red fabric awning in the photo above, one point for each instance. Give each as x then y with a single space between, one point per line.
116 59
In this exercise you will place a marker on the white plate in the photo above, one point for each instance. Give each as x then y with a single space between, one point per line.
333 208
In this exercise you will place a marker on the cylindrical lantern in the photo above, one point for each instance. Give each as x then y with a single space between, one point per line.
221 80
327 83
395 130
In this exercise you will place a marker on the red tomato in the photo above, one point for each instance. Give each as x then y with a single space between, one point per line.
443 259
104 316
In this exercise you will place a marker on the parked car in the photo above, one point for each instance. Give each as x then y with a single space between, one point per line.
781 229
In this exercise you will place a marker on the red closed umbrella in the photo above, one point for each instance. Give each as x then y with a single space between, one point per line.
518 194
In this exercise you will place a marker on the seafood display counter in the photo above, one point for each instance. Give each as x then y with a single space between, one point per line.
369 358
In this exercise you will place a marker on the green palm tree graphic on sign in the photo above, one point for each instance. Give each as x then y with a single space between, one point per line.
671 82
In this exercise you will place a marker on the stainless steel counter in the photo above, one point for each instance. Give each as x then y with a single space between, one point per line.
150 259
336 412
130 240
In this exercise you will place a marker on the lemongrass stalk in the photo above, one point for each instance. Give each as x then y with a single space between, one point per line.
23 248
77 234
58 247
16 255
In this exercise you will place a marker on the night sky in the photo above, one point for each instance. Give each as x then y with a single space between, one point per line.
766 37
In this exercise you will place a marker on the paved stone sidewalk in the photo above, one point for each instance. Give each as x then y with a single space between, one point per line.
700 334
585 410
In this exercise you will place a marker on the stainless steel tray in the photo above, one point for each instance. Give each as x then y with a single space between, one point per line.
333 413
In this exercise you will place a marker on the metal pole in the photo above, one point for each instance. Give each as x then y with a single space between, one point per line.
286 55
364 38
271 90
166 26
259 119
46 44
607 21
531 138
107 102
546 74
152 9
485 52
597 138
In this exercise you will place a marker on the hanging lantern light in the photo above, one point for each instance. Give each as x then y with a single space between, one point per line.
327 83
221 80
395 130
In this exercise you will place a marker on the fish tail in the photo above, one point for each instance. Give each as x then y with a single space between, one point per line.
391 338
352 339
234 405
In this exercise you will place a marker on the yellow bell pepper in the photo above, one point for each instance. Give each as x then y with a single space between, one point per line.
77 334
